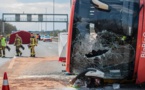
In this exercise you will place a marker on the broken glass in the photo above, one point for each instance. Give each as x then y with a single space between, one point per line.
110 45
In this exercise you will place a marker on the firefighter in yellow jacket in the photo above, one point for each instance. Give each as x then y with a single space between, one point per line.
33 43
0 47
4 44
18 44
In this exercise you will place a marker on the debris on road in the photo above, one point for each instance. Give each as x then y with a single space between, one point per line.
35 74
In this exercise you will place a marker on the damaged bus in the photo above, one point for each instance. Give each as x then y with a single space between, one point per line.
115 52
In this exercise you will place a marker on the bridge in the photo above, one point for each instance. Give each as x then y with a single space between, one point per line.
34 17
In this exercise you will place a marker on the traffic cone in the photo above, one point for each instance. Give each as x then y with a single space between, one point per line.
5 82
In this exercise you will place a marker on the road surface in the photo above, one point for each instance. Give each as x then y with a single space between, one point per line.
44 72
4 60
44 49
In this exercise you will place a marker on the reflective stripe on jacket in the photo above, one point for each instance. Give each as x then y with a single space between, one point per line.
33 41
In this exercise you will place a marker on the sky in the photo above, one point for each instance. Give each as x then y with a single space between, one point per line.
35 6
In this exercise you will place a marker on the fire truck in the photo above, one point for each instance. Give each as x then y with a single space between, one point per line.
115 53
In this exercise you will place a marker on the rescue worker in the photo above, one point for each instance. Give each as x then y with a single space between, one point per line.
38 37
33 43
0 47
123 39
3 44
18 44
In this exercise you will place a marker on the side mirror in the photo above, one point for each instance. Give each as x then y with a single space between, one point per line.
101 5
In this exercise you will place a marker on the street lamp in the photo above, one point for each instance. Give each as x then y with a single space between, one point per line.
46 20
53 16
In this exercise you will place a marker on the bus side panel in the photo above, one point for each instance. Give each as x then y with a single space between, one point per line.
70 30
138 48
141 65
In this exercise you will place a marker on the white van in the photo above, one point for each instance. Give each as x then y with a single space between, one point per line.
62 43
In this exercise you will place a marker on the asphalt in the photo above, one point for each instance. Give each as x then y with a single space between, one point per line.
44 49
4 60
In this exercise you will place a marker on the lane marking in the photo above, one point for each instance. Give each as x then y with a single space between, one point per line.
60 77
12 63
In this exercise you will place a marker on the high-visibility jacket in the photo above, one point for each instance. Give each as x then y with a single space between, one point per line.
3 41
18 41
123 38
33 41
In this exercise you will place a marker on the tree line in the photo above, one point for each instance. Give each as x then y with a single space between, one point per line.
56 32
51 33
8 28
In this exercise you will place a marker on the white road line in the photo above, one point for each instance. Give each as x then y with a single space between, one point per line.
12 63
60 77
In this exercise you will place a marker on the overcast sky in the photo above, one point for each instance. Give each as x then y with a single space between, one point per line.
35 6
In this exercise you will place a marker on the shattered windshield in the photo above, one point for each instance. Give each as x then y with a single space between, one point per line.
105 39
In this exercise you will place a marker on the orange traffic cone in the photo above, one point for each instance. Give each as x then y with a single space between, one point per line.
5 82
